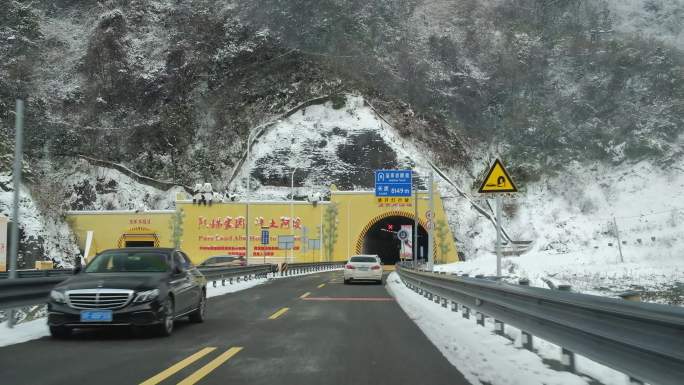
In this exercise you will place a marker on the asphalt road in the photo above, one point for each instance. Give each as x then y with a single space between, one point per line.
337 334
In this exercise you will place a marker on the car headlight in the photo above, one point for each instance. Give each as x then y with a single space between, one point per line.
58 296
146 296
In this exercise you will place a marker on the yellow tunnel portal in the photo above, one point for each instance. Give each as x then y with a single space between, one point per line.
351 222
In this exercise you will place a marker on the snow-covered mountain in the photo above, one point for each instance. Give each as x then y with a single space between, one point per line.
565 92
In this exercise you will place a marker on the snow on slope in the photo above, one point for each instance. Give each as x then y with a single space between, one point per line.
100 188
53 235
327 145
652 19
570 220
82 187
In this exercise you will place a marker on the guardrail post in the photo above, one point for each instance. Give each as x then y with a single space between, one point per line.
230 280
437 299
498 327
526 339
454 306
634 296
568 360
223 282
466 312
214 283
444 302
480 318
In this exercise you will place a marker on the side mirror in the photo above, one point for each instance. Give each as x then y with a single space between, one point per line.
78 267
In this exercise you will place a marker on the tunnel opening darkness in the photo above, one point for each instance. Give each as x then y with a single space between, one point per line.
381 239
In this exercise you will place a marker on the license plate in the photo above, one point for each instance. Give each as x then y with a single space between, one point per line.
96 316
363 269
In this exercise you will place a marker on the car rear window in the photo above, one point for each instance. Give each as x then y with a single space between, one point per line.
128 262
363 259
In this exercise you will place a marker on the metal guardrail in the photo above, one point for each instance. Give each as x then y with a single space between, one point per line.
33 286
26 291
642 340
214 274
298 268
39 273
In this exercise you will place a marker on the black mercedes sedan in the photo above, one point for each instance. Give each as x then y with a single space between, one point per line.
140 287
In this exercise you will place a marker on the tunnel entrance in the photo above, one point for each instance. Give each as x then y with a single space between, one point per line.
381 239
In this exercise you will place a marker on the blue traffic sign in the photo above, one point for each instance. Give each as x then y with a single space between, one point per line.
264 237
393 183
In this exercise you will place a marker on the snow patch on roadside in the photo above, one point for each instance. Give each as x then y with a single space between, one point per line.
483 357
23 332
238 286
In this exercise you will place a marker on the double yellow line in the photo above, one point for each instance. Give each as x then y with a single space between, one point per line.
200 373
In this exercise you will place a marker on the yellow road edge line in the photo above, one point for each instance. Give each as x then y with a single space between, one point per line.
305 295
279 313
208 368
177 367
321 285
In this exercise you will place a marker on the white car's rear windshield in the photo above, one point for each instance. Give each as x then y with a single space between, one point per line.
363 259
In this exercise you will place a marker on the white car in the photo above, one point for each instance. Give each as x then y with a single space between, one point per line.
363 268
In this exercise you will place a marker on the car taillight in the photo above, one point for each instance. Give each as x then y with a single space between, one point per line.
349 266
376 267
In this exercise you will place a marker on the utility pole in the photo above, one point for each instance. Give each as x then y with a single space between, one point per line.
248 253
292 214
617 234
415 222
431 222
18 153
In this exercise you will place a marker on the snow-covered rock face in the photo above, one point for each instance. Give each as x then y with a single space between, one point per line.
74 185
90 187
340 143
41 237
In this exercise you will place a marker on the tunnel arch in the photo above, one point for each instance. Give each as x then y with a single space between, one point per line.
373 240
138 237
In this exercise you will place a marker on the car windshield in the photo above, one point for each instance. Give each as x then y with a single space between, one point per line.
128 262
363 259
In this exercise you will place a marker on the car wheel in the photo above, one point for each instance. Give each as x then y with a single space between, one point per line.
60 331
379 281
165 328
197 316
346 281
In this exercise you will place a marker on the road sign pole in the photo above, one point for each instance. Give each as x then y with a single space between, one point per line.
18 152
415 222
498 181
499 203
431 221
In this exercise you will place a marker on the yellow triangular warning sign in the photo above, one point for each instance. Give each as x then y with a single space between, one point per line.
498 180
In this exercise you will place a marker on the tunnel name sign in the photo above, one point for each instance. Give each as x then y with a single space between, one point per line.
393 183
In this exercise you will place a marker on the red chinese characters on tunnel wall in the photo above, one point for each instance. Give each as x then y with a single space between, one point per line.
227 223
